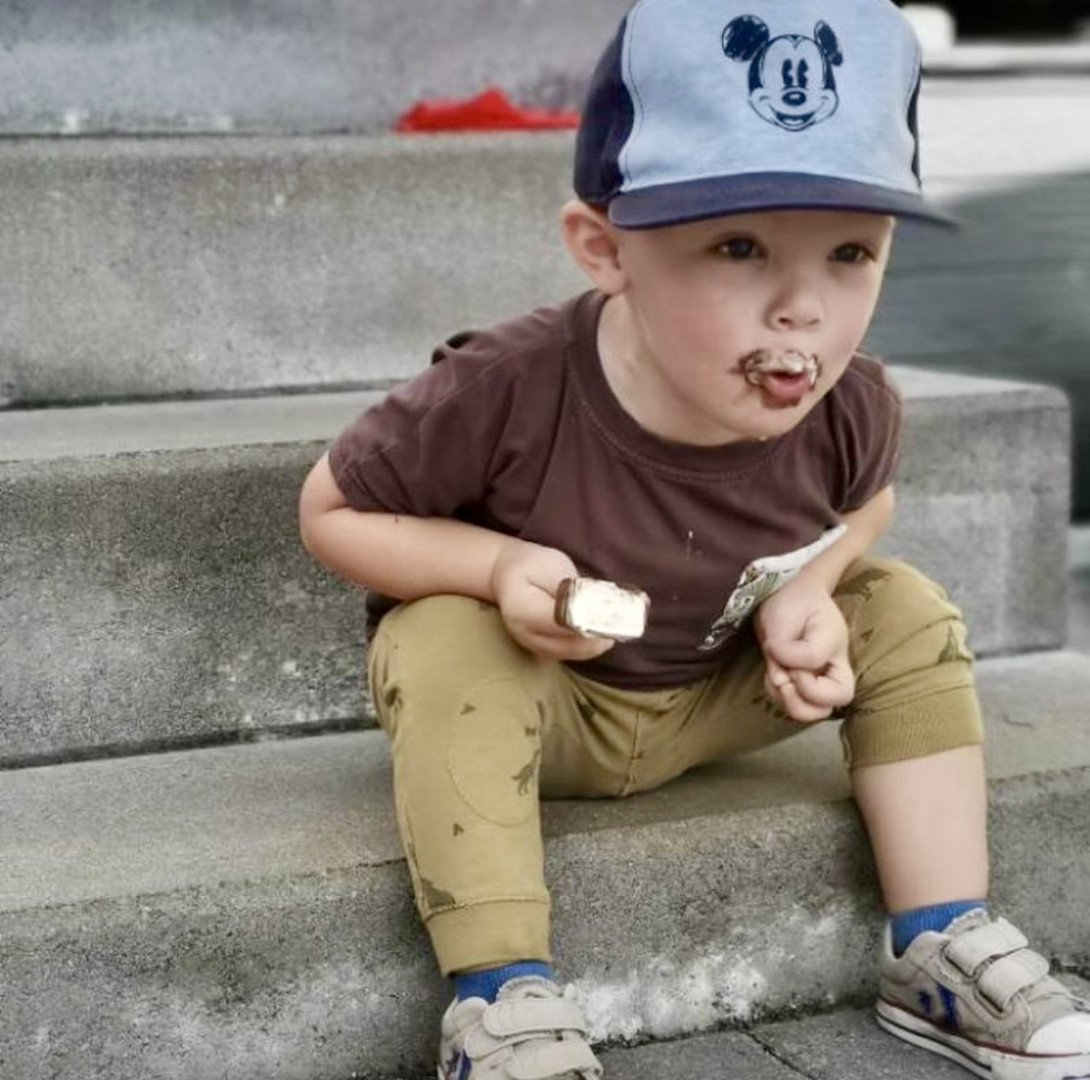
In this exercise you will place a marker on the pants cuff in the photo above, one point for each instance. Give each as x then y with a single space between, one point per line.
489 934
930 725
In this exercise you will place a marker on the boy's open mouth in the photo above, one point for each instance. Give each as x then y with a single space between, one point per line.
784 378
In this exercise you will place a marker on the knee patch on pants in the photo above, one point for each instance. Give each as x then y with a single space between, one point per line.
915 693
462 709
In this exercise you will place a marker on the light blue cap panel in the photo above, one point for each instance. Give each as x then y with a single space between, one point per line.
697 117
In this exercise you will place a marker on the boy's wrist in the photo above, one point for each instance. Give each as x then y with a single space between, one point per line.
822 573
502 564
518 560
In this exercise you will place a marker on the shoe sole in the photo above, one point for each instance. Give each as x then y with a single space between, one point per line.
983 1061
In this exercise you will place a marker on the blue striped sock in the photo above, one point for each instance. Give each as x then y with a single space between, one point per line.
905 925
486 984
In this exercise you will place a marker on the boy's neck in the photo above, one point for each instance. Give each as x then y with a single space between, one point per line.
631 382
615 345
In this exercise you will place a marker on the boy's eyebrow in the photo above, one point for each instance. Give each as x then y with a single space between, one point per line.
731 231
881 233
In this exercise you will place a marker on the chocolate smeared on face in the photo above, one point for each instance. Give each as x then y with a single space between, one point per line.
761 364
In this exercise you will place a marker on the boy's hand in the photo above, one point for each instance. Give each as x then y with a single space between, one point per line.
805 643
525 579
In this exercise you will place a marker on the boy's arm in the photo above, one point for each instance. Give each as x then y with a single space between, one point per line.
402 556
409 557
865 525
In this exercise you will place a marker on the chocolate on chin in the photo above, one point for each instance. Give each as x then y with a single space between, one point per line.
597 608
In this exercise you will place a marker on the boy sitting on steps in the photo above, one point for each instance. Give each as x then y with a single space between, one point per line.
702 424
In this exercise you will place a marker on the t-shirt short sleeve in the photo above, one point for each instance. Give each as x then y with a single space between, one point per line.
868 428
420 451
461 438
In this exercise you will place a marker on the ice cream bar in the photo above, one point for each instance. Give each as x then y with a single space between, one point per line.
597 608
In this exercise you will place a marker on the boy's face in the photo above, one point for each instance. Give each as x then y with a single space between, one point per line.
736 327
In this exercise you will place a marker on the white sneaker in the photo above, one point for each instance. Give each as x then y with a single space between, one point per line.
531 1032
976 994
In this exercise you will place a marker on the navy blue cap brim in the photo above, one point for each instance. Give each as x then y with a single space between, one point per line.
695 200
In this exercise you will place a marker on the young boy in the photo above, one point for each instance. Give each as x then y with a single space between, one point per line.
700 424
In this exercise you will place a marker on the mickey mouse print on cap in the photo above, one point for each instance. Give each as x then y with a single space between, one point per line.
700 108
791 80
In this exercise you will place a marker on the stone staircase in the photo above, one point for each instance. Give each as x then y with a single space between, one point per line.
199 871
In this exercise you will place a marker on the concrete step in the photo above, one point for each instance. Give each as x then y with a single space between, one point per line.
182 266
244 911
157 593
1078 622
260 263
154 583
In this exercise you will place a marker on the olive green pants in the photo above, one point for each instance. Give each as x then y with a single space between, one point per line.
480 729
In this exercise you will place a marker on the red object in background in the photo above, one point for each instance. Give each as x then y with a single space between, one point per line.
490 110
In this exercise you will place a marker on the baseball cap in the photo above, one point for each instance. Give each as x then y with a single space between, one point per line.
700 108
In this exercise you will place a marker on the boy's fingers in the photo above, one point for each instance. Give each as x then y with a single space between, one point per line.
775 674
805 654
585 649
776 678
798 708
773 692
567 646
829 688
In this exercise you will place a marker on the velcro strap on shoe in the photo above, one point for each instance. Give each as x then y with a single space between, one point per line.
546 1061
530 1016
999 982
973 948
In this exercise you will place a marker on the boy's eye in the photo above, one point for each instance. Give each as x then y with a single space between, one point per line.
738 247
851 253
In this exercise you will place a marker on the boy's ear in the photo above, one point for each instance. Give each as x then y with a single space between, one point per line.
591 240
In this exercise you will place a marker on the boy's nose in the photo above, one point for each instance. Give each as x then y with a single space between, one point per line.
797 320
796 308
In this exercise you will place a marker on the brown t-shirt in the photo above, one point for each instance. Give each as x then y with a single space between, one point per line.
516 428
